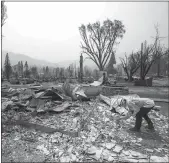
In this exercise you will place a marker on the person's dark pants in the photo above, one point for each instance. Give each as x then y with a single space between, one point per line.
143 113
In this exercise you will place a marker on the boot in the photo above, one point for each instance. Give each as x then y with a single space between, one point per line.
134 129
150 126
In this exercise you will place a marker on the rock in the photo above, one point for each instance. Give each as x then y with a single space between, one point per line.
14 98
30 109
43 149
11 90
159 159
136 154
25 97
6 105
98 153
139 139
73 157
149 150
106 154
117 148
127 153
65 159
109 145
113 154
70 149
111 158
91 151
125 159
61 107
61 152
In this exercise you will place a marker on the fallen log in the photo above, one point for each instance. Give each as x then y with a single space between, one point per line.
40 127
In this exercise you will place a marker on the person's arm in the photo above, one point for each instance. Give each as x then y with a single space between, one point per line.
132 111
128 115
134 108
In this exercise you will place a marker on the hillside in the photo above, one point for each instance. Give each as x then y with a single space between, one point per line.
15 58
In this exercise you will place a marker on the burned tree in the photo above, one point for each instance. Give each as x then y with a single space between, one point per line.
98 40
3 13
131 64
149 54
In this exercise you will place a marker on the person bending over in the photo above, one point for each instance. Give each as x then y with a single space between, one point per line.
138 107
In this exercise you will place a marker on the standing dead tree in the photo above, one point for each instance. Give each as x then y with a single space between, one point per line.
99 40
131 64
149 54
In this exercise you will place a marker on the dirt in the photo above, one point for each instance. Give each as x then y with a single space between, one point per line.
150 92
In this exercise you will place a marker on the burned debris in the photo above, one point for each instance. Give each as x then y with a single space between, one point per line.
70 123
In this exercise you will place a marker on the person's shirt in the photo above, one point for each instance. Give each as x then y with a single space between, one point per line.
134 105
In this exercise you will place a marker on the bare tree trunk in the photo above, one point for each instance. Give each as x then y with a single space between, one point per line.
141 65
130 77
158 67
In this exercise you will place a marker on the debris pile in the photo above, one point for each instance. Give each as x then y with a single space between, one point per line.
64 125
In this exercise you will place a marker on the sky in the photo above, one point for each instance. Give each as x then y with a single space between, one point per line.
49 30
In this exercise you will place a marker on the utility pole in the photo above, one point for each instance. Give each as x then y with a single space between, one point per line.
141 64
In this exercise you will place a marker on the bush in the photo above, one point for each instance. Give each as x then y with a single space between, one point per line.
14 81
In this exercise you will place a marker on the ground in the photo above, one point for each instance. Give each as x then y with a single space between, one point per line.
102 139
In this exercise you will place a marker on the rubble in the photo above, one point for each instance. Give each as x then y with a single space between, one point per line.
81 130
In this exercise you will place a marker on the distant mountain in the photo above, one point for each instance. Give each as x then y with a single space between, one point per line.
87 63
15 58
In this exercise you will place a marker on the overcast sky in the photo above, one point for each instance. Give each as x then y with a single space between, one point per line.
49 30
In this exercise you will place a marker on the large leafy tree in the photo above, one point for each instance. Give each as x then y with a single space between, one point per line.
7 67
34 71
98 40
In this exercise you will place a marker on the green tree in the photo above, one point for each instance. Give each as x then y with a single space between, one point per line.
110 67
57 72
96 74
87 71
98 40
21 68
70 70
47 70
7 67
62 73
26 72
34 71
